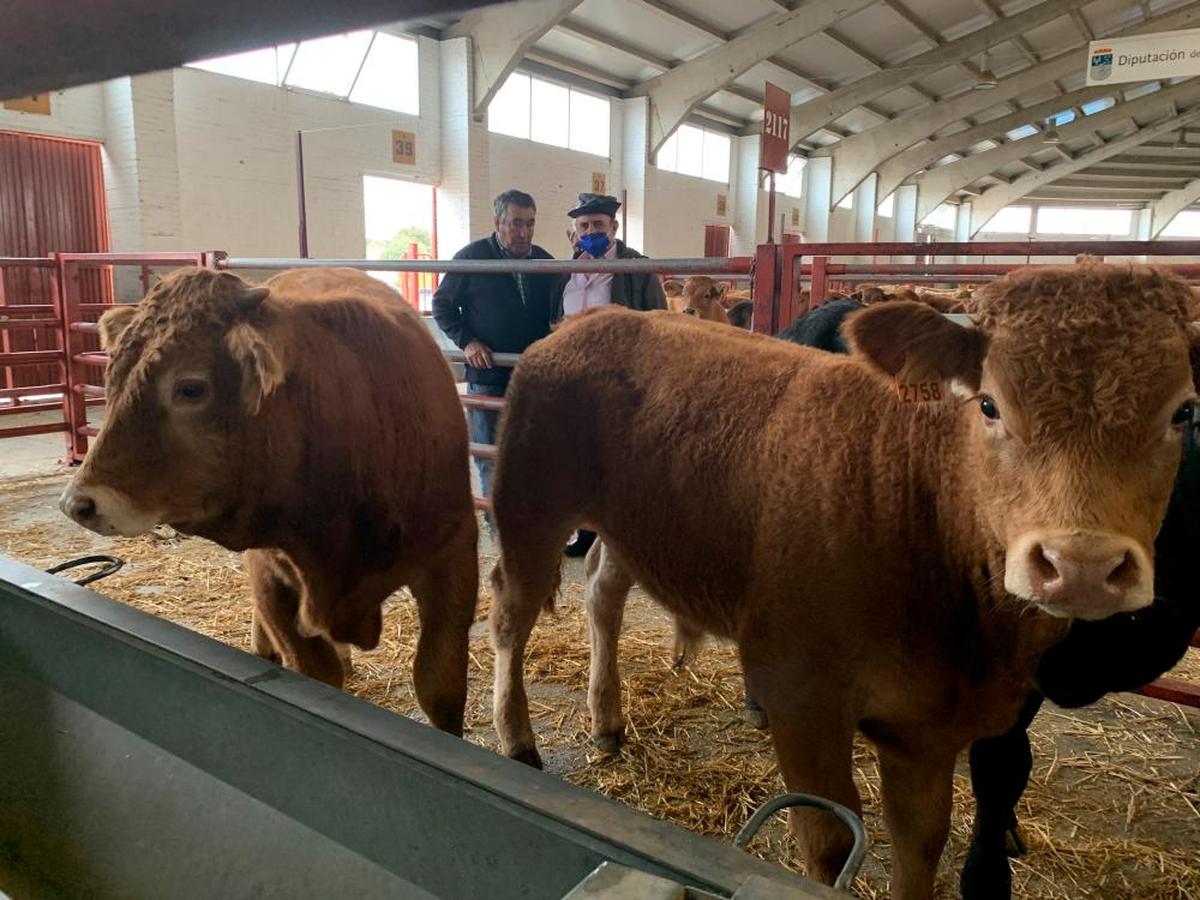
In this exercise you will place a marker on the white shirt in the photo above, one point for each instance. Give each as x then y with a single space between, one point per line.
587 290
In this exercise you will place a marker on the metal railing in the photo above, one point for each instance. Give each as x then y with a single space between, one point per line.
776 272
781 269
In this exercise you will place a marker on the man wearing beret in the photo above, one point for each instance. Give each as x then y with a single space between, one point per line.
595 237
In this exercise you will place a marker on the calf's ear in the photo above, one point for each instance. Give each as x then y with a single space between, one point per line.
113 324
262 371
914 344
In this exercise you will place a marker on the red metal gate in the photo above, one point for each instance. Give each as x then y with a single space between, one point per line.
51 199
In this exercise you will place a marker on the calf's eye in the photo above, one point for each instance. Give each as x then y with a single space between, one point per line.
987 406
190 390
1185 414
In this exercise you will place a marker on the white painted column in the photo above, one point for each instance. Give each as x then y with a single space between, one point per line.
864 213
635 163
962 225
749 207
864 209
905 217
141 170
818 192
464 211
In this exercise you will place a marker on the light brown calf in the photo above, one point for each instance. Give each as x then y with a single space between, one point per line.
313 423
945 543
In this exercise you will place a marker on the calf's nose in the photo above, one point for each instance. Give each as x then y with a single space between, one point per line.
79 507
1089 576
690 311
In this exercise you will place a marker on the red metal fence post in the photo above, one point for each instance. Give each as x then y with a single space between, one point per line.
6 341
67 309
766 288
820 279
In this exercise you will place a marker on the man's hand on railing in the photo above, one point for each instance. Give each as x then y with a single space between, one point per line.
478 355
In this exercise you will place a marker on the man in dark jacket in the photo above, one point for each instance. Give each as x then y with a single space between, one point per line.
496 313
595 237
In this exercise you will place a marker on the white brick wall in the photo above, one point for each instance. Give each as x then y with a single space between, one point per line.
77 113
236 150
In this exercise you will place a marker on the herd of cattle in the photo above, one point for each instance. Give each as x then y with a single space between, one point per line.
992 514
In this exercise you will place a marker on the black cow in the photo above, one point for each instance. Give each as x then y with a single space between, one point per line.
1120 653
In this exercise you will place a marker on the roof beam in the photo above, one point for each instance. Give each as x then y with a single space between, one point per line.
893 172
857 156
1089 183
500 36
807 80
1019 42
994 200
875 63
1185 166
1164 210
811 115
675 93
937 184
1082 25
911 18
591 36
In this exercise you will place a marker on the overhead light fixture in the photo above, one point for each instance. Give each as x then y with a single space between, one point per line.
1181 142
986 79
1050 135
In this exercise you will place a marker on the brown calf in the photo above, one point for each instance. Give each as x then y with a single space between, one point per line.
946 543
314 423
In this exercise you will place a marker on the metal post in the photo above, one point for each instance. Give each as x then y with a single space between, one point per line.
771 208
766 288
300 194
820 281
6 342
66 308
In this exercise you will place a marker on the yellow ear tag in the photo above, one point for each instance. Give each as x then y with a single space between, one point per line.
918 391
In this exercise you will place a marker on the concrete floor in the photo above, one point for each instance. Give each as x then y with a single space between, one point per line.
40 454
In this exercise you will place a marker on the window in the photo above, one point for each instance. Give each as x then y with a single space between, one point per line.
716 157
697 152
944 217
389 77
1095 106
887 208
1079 220
846 202
1023 132
371 68
552 103
266 66
550 113
1010 220
1184 225
792 183
589 123
1062 118
508 113
329 65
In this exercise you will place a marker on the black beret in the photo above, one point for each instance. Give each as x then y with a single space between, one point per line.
594 204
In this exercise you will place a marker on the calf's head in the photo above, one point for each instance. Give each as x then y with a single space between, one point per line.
188 371
702 298
1073 389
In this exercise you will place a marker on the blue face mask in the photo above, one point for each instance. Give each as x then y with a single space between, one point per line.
594 244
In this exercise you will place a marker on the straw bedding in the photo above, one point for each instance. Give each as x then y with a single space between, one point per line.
1112 810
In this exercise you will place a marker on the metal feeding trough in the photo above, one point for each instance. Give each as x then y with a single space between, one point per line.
139 759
